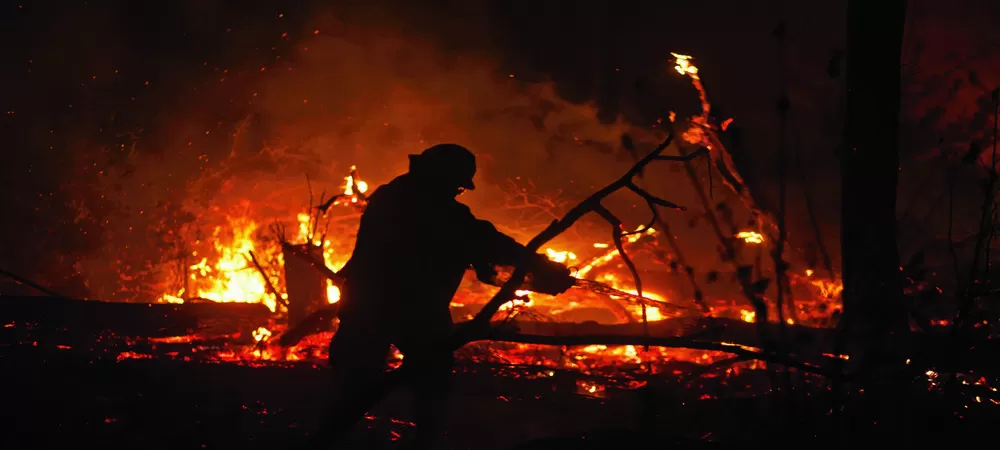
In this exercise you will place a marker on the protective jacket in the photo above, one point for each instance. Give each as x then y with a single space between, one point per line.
412 251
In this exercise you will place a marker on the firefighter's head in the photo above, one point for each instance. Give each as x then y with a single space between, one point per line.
449 167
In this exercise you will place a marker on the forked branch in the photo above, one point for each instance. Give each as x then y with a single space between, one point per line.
479 326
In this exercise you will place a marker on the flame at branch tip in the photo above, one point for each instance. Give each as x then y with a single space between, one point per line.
750 237
684 66
354 184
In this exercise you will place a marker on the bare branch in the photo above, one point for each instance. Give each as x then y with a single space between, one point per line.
650 198
270 287
506 292
687 157
36 286
616 234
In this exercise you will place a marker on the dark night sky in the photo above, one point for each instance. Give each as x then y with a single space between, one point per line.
76 72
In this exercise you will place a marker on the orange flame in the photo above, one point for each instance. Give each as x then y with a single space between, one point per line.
229 275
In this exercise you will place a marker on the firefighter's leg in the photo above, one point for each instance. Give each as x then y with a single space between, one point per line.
431 364
358 362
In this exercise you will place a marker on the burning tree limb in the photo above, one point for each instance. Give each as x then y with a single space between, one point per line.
353 193
617 230
592 204
601 288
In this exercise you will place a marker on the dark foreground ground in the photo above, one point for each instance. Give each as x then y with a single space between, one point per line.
66 383
63 399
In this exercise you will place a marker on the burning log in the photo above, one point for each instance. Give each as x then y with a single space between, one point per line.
805 342
692 341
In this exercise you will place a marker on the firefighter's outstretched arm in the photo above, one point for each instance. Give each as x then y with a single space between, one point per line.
493 248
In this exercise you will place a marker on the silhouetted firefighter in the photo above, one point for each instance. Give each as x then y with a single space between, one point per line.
414 244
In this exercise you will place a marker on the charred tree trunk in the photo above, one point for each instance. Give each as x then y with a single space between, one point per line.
306 286
874 316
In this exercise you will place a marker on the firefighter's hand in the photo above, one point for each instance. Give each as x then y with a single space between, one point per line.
550 277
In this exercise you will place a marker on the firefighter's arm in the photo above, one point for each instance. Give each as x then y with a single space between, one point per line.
494 248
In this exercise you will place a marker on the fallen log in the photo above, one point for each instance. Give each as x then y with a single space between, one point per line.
686 342
131 319
29 283
805 340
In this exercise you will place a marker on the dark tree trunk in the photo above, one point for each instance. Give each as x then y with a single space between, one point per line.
875 318
306 286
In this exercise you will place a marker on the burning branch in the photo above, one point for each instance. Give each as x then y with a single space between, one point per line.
601 288
354 193
617 231
480 324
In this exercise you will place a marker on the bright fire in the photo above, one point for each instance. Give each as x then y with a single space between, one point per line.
750 237
684 66
232 277
228 273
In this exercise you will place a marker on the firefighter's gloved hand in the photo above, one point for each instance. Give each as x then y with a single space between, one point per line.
550 277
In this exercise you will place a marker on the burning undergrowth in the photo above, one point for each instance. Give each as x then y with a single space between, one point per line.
210 218
224 238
